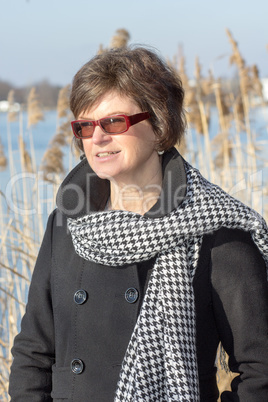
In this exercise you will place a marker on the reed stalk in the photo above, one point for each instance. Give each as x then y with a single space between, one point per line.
35 115
207 140
245 89
223 112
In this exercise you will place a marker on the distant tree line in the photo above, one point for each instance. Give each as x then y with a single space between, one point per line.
47 93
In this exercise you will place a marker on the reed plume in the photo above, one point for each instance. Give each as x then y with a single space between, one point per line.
26 160
256 83
64 132
12 115
34 110
245 88
101 49
3 159
182 73
189 92
120 38
63 101
197 71
52 164
244 71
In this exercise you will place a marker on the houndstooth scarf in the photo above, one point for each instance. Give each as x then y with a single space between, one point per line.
160 363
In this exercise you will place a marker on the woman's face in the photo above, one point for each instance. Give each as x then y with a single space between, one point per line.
128 158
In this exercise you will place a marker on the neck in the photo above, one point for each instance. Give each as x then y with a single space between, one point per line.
138 197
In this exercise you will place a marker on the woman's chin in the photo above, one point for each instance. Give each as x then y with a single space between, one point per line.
104 175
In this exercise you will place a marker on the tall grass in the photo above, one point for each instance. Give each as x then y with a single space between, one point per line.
235 159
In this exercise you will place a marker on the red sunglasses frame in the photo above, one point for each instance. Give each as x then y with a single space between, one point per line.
130 121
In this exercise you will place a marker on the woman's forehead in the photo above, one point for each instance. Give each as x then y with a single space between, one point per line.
112 102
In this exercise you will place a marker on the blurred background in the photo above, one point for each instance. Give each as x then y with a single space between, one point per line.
220 51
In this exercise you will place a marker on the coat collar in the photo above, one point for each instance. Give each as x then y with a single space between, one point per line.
82 192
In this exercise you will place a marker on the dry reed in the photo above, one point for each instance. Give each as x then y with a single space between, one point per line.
12 115
120 38
3 159
52 164
34 110
63 102
26 161
230 159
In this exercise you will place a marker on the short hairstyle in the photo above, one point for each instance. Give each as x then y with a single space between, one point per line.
142 75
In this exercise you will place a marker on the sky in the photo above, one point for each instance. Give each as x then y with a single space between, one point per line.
52 39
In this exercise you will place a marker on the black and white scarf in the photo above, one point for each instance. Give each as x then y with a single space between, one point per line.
160 363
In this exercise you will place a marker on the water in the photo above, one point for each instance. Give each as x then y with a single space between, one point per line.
44 131
37 138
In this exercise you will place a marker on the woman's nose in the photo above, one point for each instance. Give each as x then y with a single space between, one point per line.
100 136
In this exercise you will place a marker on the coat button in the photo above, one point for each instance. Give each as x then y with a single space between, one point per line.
80 296
131 295
77 366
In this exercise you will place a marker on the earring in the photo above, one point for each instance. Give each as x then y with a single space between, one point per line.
160 152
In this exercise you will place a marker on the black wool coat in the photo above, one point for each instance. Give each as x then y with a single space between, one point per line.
80 315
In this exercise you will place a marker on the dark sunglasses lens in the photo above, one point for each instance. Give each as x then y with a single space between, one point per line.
114 125
83 130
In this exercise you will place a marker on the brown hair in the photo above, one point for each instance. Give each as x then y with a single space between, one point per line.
143 76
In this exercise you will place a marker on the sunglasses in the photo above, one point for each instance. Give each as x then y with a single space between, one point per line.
110 125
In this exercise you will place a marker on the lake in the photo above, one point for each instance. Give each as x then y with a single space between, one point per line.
44 131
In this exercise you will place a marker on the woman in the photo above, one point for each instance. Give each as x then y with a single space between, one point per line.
145 266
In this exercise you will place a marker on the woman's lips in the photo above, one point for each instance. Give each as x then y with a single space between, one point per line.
102 157
105 154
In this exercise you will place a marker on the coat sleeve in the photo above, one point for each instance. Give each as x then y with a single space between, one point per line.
33 349
240 302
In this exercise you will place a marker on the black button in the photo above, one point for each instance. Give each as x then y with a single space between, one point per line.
131 295
77 366
80 296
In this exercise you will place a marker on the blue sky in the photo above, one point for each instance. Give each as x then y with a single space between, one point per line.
51 39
